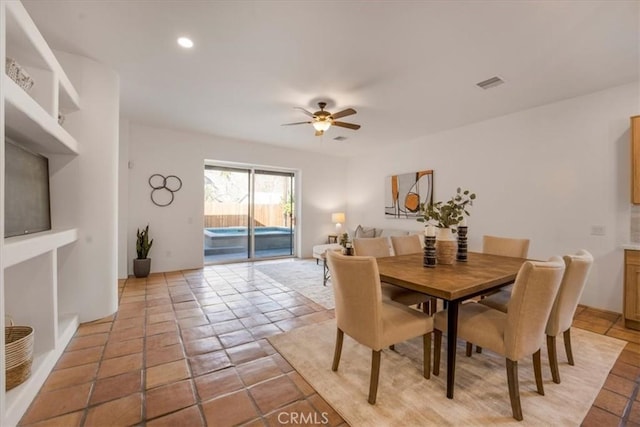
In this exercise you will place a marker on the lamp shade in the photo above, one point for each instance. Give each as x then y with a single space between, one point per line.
338 217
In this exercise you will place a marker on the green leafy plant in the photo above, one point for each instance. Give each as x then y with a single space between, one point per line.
450 213
344 239
143 244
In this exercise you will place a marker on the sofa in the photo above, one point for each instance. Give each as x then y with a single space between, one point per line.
362 232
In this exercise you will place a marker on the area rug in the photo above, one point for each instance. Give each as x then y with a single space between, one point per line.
303 276
481 396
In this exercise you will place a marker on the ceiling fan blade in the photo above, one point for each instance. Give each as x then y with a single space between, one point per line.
346 125
296 123
344 113
308 113
319 132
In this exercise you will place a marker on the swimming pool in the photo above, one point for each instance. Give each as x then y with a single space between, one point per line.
220 240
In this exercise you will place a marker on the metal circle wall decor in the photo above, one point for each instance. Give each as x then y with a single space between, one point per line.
163 188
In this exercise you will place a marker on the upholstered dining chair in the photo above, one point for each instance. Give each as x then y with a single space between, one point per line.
564 308
365 316
378 247
516 333
409 244
502 246
505 246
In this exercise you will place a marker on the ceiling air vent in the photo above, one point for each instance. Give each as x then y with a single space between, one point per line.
339 138
489 83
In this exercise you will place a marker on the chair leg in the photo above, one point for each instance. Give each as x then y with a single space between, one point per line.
392 347
426 355
553 359
433 305
437 343
478 349
567 345
375 373
537 369
469 349
514 389
338 350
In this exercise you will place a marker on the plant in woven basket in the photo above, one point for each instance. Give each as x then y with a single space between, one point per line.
143 244
449 213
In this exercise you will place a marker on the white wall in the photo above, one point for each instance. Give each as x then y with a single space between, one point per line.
123 198
548 174
177 228
84 193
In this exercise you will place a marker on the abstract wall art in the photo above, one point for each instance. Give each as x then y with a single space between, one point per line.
404 193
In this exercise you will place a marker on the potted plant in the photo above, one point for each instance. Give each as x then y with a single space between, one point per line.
346 244
142 265
446 216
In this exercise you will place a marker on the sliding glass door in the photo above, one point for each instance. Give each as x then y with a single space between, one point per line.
248 213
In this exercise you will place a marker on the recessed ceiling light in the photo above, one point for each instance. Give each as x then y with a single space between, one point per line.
185 42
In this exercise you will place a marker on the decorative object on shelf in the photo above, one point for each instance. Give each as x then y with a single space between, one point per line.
462 243
429 259
60 118
142 265
18 74
446 216
404 194
162 185
18 350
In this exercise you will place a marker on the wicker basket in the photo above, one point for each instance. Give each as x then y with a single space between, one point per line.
18 74
18 349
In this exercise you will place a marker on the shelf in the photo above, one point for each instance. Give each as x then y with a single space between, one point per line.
29 124
21 248
18 399
25 41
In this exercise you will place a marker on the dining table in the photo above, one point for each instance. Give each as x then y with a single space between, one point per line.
455 283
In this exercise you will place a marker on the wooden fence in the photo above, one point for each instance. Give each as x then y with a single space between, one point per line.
235 215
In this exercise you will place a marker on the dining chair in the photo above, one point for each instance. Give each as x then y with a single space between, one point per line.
378 247
502 246
365 316
577 269
505 246
515 334
409 244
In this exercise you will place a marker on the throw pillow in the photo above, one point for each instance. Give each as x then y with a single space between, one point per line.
365 232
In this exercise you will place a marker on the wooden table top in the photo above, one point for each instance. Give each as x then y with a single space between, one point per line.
480 273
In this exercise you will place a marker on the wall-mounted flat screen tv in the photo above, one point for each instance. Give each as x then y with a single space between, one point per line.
26 204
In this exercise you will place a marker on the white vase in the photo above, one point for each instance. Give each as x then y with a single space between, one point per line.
446 246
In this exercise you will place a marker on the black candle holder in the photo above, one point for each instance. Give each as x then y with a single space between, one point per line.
462 244
429 259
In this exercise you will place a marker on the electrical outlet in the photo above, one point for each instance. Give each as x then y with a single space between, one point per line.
598 230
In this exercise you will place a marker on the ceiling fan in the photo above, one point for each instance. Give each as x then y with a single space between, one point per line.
323 120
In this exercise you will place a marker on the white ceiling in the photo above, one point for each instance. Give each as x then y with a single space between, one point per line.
408 67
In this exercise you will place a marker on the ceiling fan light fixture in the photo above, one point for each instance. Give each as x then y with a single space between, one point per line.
321 125
185 42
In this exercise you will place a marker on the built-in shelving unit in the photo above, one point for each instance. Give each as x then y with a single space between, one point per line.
30 264
22 248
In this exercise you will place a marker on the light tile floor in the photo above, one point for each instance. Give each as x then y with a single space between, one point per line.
189 348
